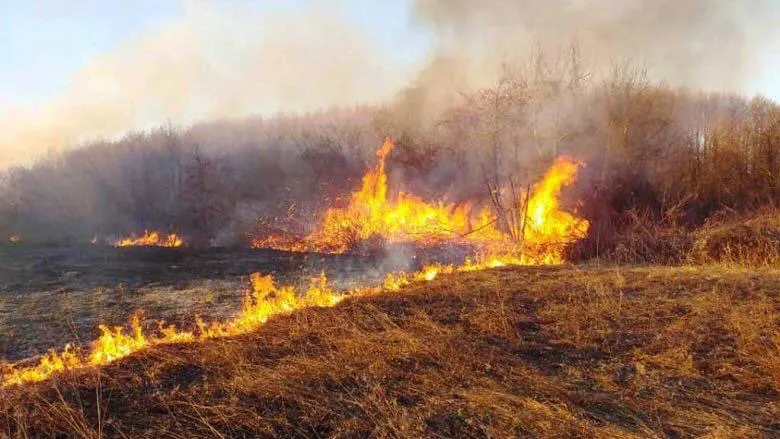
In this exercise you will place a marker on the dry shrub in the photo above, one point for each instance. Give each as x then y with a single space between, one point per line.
748 241
641 240
373 245
728 238
655 245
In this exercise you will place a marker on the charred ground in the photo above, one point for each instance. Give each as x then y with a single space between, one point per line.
53 295
541 352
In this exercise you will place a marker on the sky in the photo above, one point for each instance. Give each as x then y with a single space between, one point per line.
43 43
75 70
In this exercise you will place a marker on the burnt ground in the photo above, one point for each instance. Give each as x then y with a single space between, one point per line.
50 296
619 352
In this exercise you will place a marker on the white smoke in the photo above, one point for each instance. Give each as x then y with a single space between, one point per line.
218 61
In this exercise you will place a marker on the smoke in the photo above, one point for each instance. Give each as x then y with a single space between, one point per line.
218 61
712 45
228 60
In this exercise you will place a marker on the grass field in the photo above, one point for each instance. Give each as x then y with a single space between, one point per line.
50 296
529 352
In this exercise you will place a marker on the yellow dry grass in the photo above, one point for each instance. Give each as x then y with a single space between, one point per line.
528 352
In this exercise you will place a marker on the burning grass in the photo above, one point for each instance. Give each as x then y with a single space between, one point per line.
150 239
263 301
373 219
266 299
544 352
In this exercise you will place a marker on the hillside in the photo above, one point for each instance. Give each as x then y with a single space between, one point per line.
539 352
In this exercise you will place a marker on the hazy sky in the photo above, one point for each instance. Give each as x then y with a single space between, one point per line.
43 43
73 70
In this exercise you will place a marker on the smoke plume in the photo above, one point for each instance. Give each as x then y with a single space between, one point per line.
218 61
228 61
712 44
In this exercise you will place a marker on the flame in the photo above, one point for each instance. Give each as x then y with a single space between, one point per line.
151 239
431 272
15 239
112 345
266 300
373 218
370 215
263 301
549 229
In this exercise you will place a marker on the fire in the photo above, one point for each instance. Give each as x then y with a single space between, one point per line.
263 301
372 217
549 229
112 345
151 239
15 239
431 272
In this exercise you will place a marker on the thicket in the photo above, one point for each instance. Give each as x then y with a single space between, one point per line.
660 162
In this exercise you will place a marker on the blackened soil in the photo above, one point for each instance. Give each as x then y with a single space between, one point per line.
53 295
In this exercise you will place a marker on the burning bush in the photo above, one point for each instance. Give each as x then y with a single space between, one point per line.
373 219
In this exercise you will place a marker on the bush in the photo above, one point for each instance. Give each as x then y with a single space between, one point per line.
746 241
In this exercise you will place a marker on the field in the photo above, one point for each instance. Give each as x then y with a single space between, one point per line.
570 351
50 296
490 219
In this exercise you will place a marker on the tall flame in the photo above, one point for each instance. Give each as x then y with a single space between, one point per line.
547 230
371 217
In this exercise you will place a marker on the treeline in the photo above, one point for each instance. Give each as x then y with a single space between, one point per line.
211 182
655 155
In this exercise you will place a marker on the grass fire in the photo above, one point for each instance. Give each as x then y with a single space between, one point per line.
149 239
390 219
370 216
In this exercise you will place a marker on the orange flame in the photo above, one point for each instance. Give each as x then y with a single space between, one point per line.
112 344
151 239
371 218
15 239
262 302
547 231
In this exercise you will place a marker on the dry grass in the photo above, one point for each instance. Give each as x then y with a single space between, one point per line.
752 241
726 239
557 352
